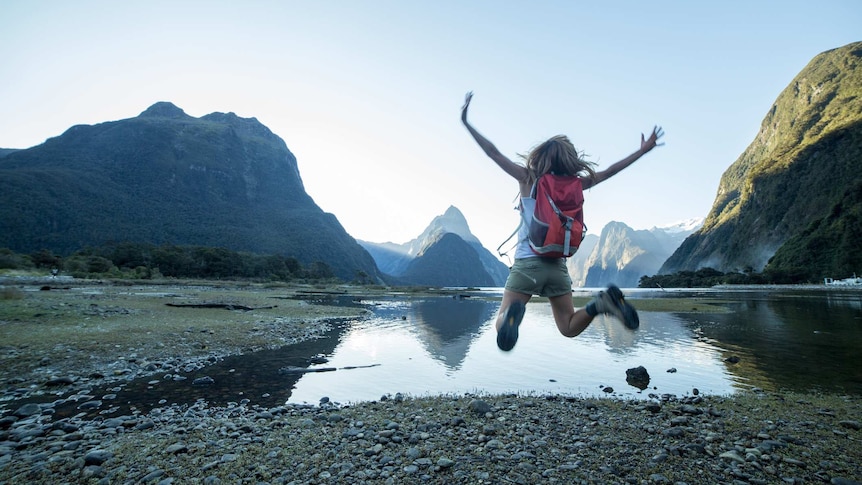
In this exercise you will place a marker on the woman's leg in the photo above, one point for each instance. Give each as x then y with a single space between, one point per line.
510 297
569 321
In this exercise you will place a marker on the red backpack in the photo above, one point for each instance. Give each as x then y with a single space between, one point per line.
557 227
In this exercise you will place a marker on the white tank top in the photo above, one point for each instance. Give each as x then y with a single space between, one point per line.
523 249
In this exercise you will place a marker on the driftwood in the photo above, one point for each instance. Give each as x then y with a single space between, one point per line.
226 306
305 370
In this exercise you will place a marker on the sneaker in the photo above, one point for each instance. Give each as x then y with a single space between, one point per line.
612 302
507 336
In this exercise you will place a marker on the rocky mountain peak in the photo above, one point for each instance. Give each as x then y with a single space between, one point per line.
163 109
452 221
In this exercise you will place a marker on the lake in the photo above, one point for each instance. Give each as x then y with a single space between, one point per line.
789 340
799 340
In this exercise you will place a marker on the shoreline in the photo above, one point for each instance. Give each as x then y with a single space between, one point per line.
753 437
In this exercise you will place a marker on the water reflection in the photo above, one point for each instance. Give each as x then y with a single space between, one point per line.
794 340
423 349
447 327
778 340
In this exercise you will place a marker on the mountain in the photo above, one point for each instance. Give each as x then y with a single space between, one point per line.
578 263
418 261
447 261
165 177
621 255
799 177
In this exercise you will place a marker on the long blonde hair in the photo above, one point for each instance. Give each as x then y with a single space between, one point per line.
557 155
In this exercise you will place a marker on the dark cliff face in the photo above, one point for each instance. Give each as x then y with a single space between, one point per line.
804 159
168 178
449 261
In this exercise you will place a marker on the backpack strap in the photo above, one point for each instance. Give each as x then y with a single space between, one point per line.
509 239
566 221
522 221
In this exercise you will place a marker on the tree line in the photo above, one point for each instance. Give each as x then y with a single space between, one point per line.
708 277
148 261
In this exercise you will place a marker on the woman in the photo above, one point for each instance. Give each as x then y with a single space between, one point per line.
549 277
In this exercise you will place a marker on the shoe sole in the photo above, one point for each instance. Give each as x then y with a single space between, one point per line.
507 336
625 312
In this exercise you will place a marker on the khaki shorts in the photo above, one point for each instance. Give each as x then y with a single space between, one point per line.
547 277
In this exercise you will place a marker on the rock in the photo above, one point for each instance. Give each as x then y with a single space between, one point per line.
843 481
689 409
152 476
318 359
59 381
480 407
203 381
445 463
679 421
177 448
733 456
97 457
638 377
7 421
849 424
768 446
28 410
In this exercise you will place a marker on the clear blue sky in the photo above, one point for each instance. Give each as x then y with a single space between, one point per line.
367 94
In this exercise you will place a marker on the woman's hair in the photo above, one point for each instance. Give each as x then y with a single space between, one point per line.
559 156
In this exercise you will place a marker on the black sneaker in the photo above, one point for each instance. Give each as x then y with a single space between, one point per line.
613 303
507 336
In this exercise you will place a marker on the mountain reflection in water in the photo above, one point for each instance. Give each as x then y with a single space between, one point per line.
437 345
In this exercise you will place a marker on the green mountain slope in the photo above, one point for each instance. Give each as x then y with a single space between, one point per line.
168 178
805 158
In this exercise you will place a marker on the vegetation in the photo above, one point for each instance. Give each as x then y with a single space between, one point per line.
828 247
799 167
708 277
166 178
142 261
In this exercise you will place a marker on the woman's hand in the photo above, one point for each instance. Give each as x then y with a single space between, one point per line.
467 99
651 142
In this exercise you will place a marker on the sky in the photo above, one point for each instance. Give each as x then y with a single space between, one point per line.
367 93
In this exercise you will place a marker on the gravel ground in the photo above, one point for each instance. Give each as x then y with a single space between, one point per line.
753 437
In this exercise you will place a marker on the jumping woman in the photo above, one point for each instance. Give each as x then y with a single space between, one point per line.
532 274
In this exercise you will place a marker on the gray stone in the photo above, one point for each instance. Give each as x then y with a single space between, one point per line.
479 406
28 410
97 457
850 424
177 448
445 463
203 381
733 456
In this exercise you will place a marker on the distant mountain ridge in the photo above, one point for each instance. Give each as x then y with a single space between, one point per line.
795 185
424 260
621 255
165 177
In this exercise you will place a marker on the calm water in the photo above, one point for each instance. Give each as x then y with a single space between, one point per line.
783 340
792 340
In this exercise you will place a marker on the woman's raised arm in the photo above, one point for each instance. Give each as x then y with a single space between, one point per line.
647 144
519 172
